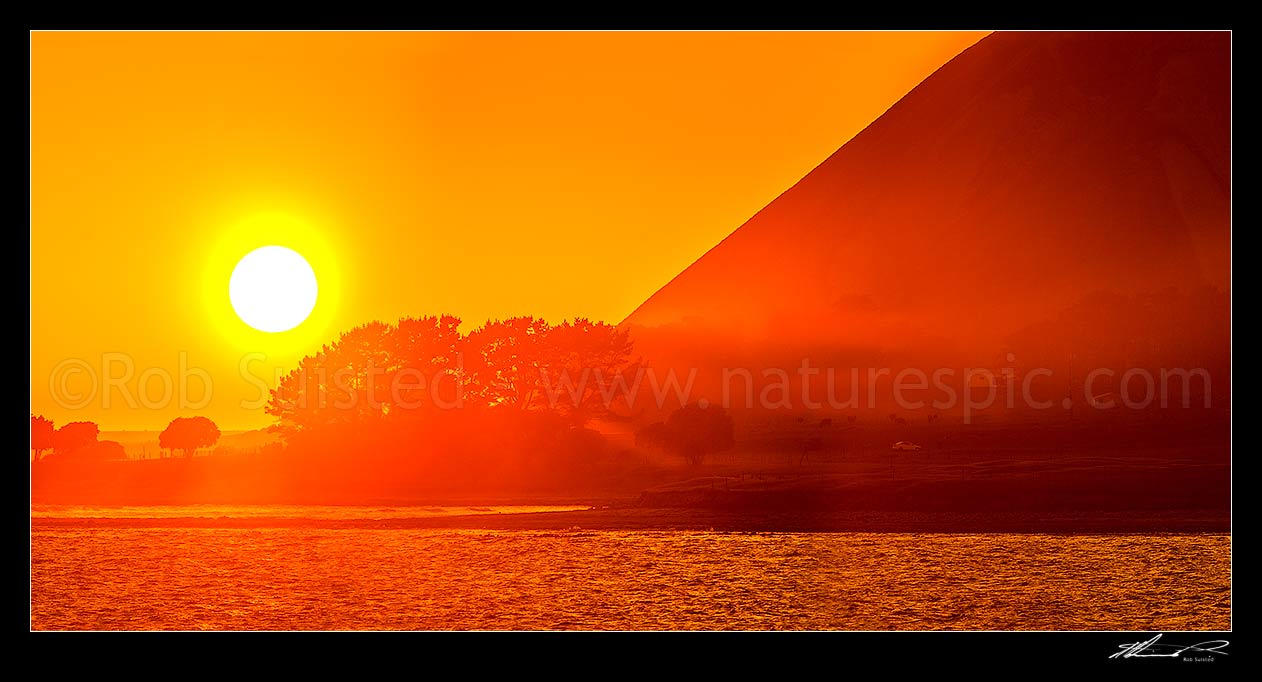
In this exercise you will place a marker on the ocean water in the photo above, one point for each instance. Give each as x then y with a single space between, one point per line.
115 575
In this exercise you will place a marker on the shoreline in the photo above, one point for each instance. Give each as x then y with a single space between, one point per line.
702 520
991 491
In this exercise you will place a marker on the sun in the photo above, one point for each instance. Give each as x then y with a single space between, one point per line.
273 289
269 262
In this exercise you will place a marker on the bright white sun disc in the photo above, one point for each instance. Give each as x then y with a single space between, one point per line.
273 289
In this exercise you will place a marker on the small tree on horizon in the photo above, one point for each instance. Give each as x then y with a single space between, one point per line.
188 434
695 432
75 436
42 435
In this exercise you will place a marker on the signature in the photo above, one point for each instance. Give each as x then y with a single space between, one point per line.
1153 649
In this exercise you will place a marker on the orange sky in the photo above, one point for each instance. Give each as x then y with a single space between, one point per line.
476 174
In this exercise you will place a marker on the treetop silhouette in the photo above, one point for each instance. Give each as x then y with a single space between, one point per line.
189 434
379 371
42 435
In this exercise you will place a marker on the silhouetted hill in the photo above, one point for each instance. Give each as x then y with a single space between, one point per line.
1032 172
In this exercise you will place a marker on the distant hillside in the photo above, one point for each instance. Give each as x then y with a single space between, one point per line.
1030 178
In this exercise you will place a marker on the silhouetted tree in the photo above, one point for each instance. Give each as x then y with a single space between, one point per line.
588 369
372 372
386 392
654 435
378 372
431 348
696 432
42 435
102 450
506 360
75 436
187 434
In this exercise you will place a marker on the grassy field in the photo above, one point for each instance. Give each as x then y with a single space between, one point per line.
1137 476
144 444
